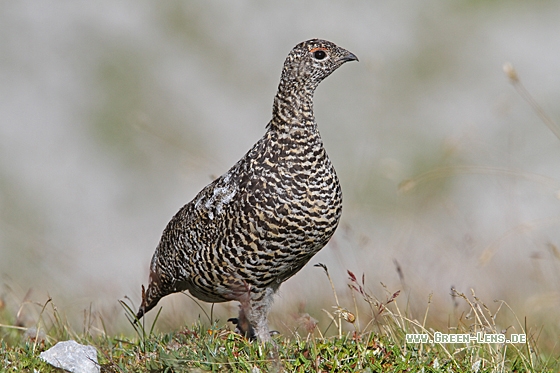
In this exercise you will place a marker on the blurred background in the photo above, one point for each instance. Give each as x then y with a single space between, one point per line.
115 114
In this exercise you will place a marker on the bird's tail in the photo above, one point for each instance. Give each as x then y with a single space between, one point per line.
150 298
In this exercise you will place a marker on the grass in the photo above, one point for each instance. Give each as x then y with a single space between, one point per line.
376 343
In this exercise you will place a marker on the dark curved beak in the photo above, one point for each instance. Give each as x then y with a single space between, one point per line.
348 56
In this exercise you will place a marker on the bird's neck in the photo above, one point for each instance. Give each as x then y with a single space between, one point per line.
293 108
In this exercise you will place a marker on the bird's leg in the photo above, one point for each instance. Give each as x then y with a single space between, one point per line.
242 325
256 313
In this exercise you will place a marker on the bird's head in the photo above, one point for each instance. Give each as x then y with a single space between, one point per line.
312 61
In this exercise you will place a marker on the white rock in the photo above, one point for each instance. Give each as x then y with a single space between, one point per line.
73 357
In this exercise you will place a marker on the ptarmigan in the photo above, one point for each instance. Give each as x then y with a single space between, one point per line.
258 224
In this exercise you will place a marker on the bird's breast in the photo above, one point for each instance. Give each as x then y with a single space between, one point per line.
297 198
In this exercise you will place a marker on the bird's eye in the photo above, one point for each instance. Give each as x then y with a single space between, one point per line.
319 54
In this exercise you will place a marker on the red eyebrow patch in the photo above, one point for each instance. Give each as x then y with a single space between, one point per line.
317 49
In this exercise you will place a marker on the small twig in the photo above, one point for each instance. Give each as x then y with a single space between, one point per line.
356 311
514 79
427 309
13 327
209 317
321 265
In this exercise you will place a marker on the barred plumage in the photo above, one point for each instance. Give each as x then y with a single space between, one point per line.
258 224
